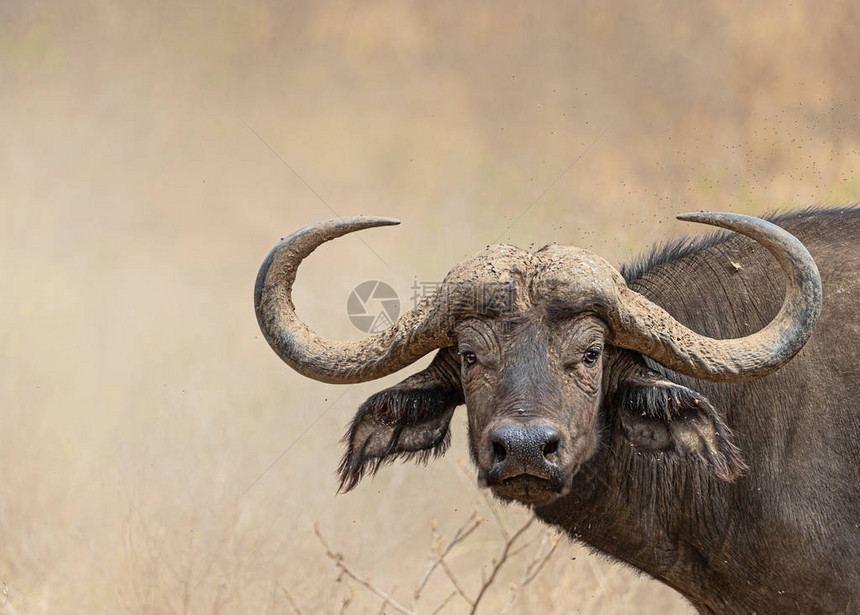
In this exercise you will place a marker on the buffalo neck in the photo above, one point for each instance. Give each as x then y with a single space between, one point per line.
662 515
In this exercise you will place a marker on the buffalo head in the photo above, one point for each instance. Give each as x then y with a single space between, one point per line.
547 351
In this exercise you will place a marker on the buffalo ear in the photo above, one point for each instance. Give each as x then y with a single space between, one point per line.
656 414
409 420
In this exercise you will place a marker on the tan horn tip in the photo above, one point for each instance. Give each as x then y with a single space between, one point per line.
696 216
380 221
723 219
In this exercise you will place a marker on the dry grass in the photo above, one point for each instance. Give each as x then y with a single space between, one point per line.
532 552
152 153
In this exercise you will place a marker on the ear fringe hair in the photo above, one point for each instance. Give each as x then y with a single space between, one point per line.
661 400
729 464
395 408
355 465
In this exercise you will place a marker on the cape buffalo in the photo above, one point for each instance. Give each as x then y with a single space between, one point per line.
685 415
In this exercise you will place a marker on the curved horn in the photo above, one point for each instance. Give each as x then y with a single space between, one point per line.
647 328
416 333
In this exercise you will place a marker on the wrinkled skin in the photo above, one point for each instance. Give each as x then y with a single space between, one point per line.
647 470
548 370
735 479
537 373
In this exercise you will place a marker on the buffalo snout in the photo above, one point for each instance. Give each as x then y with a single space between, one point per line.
530 450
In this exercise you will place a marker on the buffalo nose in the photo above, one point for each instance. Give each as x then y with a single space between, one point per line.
524 450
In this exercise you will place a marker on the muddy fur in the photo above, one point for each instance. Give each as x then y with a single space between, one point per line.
666 489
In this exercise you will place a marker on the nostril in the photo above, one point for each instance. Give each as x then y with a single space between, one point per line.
499 452
550 448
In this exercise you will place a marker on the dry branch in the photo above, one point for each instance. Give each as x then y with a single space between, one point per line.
535 566
337 558
453 578
462 533
498 565
441 548
443 603
290 600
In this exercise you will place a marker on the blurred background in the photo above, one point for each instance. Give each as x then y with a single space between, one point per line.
156 456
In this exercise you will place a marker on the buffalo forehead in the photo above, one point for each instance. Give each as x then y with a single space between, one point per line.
504 279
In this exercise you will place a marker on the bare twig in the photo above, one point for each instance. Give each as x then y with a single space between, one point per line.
453 578
538 563
290 600
498 565
337 558
346 601
518 550
382 606
462 534
439 608
544 546
533 569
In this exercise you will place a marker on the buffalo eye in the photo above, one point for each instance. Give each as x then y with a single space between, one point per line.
469 357
590 356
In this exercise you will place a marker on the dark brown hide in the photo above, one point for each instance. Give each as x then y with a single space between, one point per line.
743 496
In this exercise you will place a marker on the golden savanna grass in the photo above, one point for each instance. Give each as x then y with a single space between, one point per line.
156 456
